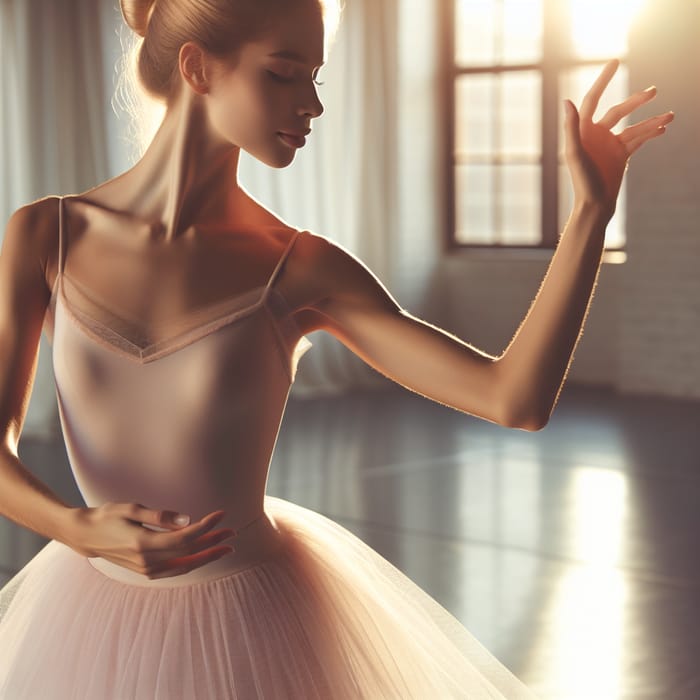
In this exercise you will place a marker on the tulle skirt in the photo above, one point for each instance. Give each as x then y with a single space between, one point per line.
319 615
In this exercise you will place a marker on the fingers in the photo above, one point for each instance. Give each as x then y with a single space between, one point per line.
573 134
590 101
614 114
634 144
158 518
175 538
648 126
190 554
188 548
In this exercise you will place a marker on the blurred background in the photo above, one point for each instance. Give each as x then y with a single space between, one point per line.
571 552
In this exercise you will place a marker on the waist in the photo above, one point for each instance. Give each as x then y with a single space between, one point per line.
254 543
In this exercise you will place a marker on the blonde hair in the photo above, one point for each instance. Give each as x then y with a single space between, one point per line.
149 64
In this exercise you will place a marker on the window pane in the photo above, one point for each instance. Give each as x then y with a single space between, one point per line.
600 28
522 31
498 115
474 100
520 204
475 32
521 97
495 32
474 203
498 120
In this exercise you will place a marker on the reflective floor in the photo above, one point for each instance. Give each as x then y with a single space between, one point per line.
571 553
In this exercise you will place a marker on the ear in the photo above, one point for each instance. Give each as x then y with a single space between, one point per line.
193 67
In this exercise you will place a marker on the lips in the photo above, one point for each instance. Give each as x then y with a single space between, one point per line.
292 139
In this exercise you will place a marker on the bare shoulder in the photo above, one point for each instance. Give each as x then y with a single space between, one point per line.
324 278
31 237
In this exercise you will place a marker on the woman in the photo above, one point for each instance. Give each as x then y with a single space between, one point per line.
177 307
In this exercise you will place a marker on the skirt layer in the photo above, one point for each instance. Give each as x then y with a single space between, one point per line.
323 616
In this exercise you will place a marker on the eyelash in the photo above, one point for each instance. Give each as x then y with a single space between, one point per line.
282 79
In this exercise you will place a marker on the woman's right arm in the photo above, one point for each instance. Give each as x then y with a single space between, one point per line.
31 240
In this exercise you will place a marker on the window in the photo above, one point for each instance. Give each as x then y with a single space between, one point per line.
510 63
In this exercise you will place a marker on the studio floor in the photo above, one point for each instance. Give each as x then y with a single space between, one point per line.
571 553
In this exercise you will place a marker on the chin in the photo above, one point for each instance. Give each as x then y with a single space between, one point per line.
277 162
273 159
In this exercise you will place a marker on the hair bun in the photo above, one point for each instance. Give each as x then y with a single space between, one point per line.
137 13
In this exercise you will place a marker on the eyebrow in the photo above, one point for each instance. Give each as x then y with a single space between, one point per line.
292 56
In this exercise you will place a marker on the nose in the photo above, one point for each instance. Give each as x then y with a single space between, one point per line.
313 107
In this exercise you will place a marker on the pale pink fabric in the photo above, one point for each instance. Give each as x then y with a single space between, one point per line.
302 609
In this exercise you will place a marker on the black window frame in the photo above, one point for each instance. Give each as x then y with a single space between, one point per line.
555 60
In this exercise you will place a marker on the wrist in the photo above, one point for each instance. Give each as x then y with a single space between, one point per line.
69 526
595 213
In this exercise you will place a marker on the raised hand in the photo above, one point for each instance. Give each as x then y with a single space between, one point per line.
114 531
596 157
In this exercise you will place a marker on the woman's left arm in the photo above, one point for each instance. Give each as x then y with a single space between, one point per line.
520 388
538 357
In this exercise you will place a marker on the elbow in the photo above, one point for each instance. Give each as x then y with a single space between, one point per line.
524 416
533 423
518 408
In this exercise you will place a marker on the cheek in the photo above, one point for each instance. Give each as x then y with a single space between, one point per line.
240 112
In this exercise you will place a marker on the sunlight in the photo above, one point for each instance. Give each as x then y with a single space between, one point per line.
599 509
590 596
589 610
600 27
144 114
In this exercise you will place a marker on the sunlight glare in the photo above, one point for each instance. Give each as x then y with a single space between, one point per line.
589 612
589 601
600 27
598 516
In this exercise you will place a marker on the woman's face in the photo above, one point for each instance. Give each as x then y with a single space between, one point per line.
265 94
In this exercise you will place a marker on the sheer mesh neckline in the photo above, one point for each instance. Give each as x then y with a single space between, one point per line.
234 308
108 337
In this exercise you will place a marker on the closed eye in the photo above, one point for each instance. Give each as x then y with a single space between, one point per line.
283 79
280 78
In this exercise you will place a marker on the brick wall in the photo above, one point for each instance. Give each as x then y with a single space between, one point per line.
660 285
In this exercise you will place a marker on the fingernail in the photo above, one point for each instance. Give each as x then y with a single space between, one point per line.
182 519
651 88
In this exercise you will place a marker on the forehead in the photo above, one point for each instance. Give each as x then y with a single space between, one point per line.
297 35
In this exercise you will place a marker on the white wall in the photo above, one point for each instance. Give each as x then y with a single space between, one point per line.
660 285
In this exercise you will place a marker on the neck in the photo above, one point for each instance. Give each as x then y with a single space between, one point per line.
187 174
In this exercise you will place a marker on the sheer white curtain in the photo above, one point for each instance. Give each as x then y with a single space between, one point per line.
368 177
52 126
